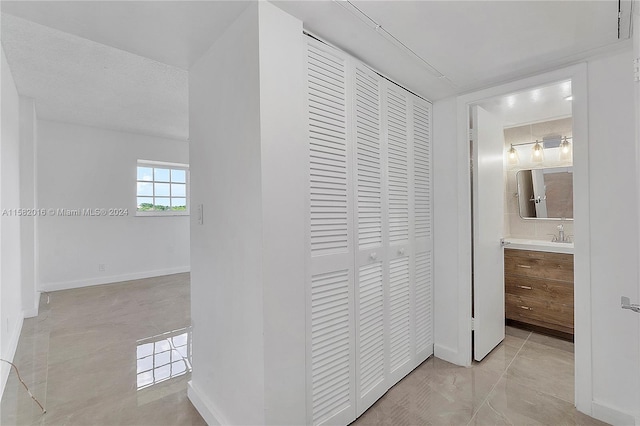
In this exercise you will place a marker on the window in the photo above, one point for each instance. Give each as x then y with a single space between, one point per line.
162 189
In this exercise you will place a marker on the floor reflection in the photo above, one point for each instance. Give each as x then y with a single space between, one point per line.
163 357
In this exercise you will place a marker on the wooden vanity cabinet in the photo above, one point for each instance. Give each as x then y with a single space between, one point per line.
539 290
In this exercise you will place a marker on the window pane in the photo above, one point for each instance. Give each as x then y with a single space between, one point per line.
178 368
161 189
179 176
145 203
161 175
178 190
145 173
145 189
162 203
180 340
178 204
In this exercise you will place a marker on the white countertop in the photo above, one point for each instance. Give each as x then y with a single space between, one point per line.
538 245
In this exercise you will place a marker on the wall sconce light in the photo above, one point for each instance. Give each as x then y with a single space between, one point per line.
565 150
537 153
512 156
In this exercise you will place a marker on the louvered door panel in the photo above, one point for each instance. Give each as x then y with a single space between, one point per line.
370 222
423 214
330 325
397 166
400 232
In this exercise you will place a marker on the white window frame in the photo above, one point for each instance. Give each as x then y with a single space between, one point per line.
163 165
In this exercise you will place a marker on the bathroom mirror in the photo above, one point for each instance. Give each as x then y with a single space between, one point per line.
545 193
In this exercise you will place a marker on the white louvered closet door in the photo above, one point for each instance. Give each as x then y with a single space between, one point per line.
330 299
423 233
370 239
371 254
400 229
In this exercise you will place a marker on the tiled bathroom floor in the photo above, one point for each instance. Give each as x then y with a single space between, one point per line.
115 355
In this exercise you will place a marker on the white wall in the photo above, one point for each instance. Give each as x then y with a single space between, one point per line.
87 167
284 187
10 288
451 265
28 171
247 283
614 236
226 250
608 374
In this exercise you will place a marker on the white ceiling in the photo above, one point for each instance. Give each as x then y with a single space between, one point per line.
532 106
77 80
173 32
121 64
473 43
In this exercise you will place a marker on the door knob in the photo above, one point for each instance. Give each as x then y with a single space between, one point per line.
626 304
373 256
401 251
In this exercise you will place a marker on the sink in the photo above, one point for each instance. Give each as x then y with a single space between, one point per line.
538 245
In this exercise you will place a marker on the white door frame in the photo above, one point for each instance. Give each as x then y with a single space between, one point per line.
582 292
636 55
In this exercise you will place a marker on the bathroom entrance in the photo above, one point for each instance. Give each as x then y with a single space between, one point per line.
528 168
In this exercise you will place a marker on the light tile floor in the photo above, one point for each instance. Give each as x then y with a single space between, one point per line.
527 380
81 356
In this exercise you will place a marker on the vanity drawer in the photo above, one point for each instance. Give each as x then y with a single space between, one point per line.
528 309
553 291
530 254
540 265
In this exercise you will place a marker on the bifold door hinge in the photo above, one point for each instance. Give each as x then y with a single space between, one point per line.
636 70
473 324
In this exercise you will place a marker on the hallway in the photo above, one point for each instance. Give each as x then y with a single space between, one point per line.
118 355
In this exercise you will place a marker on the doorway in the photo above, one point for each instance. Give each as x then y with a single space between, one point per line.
532 87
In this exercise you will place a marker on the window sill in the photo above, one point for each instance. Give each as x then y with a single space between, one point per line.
161 214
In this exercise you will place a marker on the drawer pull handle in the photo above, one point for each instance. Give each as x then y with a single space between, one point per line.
527 308
526 287
524 266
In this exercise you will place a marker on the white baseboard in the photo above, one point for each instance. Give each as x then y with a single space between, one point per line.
33 312
612 415
10 354
447 354
66 285
204 406
30 313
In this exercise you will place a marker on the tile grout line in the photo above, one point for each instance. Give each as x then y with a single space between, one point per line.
475 413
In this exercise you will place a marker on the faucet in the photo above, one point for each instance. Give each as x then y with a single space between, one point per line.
560 238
